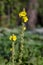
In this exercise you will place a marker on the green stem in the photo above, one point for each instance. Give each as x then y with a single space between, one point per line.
13 53
22 44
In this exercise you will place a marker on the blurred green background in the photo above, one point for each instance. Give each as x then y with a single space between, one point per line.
9 10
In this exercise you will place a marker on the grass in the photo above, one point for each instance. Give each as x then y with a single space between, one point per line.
32 41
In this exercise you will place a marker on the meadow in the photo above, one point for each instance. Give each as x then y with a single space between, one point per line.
33 48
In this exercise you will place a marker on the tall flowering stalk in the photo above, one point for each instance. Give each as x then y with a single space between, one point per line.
13 39
24 17
22 43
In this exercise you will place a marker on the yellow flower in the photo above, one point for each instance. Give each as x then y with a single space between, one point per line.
25 18
24 28
23 13
13 37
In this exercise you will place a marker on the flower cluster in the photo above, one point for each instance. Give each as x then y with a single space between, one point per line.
23 14
13 37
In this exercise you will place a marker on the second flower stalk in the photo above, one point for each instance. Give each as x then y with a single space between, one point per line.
13 38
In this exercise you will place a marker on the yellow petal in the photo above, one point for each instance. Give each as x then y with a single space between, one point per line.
10 38
25 19
14 38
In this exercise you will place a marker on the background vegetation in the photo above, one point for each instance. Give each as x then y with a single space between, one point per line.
9 10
